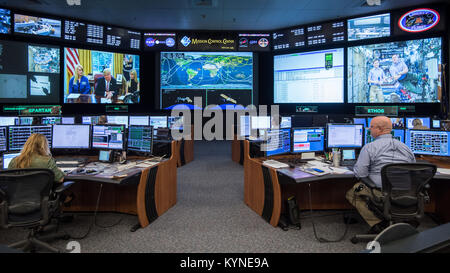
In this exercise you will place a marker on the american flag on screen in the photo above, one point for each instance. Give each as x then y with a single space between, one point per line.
73 59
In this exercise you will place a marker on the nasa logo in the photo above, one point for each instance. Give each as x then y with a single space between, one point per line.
253 42
419 20
185 41
150 42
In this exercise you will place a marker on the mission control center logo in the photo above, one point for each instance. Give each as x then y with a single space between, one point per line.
185 41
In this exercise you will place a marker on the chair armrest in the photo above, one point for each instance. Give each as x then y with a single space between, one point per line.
368 182
64 186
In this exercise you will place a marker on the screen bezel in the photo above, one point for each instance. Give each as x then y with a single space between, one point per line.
71 148
346 147
124 137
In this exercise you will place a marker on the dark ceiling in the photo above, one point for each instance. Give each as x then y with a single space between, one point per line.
208 14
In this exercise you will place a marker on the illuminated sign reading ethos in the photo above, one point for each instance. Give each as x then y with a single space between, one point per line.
419 20
208 41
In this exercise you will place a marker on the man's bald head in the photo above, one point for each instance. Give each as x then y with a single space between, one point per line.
380 125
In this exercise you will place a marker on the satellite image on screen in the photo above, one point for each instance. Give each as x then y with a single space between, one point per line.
188 74
5 21
43 59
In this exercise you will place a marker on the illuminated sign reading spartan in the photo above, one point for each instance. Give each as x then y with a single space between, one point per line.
419 20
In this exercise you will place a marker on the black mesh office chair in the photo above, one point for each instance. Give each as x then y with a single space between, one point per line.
404 194
28 199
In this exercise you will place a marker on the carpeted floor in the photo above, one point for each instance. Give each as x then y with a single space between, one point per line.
210 217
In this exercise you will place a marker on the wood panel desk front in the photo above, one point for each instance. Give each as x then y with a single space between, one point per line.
147 193
265 190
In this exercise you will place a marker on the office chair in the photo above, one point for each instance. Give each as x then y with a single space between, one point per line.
28 199
404 193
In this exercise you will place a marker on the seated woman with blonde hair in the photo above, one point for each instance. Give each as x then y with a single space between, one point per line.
36 154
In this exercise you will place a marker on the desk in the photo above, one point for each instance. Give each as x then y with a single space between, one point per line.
237 150
185 150
265 189
147 193
89 98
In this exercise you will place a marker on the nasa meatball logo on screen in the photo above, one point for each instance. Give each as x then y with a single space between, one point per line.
419 20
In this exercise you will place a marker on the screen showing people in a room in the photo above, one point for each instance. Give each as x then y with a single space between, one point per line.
344 135
397 72
278 142
396 122
428 142
369 27
398 134
309 77
308 140
219 78
29 73
418 123
5 21
71 136
37 26
92 76
108 137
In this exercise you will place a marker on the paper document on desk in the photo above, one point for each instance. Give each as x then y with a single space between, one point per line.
275 164
443 171
73 96
146 164
316 172
340 170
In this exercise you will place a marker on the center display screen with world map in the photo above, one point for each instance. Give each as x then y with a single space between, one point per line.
219 78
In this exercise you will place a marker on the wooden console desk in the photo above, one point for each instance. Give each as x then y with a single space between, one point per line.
147 193
266 189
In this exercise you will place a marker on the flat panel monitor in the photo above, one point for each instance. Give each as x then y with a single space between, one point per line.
308 140
50 120
309 77
29 73
360 121
326 33
158 121
84 33
396 122
426 142
68 120
26 120
3 138
122 38
31 25
345 135
244 129
412 122
18 135
109 137
71 136
224 79
398 134
396 72
278 142
139 120
107 77
9 121
436 124
140 139
5 21
123 120
175 123
7 157
369 27
286 122
89 119
260 122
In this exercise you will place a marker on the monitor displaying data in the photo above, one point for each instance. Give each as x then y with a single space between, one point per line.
7 157
244 129
289 38
218 78
120 85
110 137
80 32
369 27
140 139
50 120
286 122
9 121
18 135
31 25
308 140
344 135
158 121
139 120
123 120
418 122
309 77
89 119
3 139
5 21
68 120
71 136
397 72
436 124
398 134
29 73
26 120
428 142
122 38
326 33
260 122
175 123
278 142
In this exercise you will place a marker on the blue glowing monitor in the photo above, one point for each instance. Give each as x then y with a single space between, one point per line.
278 142
344 135
424 121
308 140
427 142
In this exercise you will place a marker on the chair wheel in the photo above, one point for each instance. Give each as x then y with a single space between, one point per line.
354 240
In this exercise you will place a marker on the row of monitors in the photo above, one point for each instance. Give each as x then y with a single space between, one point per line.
109 137
302 140
175 123
408 123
